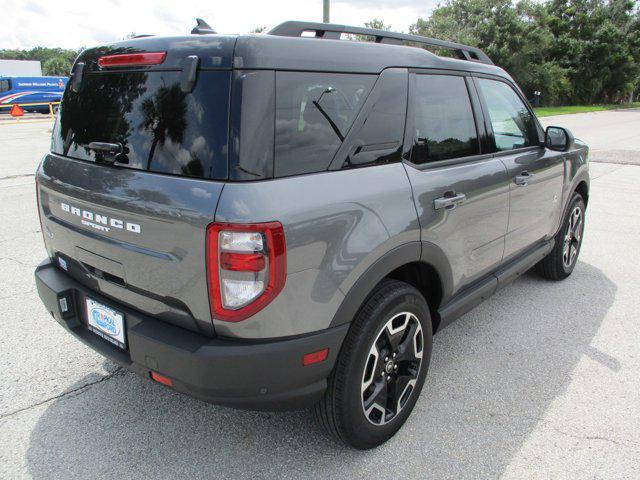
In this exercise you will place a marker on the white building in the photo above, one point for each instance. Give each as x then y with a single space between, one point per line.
20 68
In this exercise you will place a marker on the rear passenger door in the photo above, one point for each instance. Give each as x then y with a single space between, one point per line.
536 174
460 191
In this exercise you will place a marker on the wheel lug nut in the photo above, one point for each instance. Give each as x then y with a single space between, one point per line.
386 359
394 355
395 367
388 378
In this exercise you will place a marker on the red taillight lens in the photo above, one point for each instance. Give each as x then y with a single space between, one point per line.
242 262
132 59
246 268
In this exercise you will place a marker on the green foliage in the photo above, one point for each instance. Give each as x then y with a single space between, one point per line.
55 61
377 25
579 51
550 111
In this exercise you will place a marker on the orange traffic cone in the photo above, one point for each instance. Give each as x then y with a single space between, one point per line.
17 111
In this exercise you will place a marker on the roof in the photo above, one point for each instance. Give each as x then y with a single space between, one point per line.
284 48
302 53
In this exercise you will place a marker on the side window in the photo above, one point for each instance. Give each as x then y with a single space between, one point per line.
314 112
5 86
443 119
376 138
513 126
252 125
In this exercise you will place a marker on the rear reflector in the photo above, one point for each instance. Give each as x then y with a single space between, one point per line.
132 59
315 357
161 379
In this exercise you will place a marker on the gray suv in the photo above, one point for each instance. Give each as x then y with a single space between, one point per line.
284 220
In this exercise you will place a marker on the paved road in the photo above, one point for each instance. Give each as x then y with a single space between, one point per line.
612 135
541 381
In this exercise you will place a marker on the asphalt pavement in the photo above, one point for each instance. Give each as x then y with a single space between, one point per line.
540 381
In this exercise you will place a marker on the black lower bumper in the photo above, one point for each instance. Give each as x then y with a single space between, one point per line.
262 376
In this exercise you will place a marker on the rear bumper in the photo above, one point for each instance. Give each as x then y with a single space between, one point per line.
264 376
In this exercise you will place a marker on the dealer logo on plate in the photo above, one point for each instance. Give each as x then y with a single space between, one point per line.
105 322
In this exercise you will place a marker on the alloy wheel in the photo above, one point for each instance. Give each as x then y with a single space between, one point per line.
392 368
573 237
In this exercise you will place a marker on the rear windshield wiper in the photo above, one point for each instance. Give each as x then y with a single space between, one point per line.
108 152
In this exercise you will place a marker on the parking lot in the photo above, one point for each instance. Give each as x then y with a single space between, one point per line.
540 381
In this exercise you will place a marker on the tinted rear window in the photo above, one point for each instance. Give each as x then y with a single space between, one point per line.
443 119
161 128
314 112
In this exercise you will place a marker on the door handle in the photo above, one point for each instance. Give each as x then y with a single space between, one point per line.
450 201
523 179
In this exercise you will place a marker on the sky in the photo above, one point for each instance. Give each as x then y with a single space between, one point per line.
74 24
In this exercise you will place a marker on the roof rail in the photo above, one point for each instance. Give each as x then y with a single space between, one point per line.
333 31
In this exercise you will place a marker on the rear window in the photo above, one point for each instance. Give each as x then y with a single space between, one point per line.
161 128
314 112
443 119
5 86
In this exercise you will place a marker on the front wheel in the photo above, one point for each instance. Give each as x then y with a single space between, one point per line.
561 261
381 368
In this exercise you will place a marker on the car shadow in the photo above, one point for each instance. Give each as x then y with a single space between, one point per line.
493 375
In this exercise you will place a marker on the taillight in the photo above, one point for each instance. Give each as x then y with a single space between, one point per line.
246 268
132 59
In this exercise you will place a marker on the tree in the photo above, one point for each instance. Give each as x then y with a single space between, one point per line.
515 37
55 61
599 43
56 66
572 50
377 25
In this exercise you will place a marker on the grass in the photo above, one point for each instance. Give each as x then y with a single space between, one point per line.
548 111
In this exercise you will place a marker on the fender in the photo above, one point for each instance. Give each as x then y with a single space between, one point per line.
581 176
408 253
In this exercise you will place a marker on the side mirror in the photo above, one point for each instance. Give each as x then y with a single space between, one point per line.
558 138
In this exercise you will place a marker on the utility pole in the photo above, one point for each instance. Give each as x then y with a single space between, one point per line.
325 11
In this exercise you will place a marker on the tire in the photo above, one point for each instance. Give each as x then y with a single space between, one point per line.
560 262
395 317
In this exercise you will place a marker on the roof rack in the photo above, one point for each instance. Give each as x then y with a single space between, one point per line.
333 32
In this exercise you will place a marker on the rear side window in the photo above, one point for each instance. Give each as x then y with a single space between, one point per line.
5 86
314 112
513 125
443 119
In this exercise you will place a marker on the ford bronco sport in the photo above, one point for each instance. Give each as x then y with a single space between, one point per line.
284 220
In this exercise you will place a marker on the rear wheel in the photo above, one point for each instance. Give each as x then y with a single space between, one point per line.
381 368
561 261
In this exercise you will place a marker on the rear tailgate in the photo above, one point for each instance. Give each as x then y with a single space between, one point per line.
134 230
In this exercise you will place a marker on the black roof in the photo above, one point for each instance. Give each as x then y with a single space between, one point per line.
301 53
334 32
283 48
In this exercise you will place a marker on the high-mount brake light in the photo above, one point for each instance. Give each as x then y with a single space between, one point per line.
132 59
246 268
